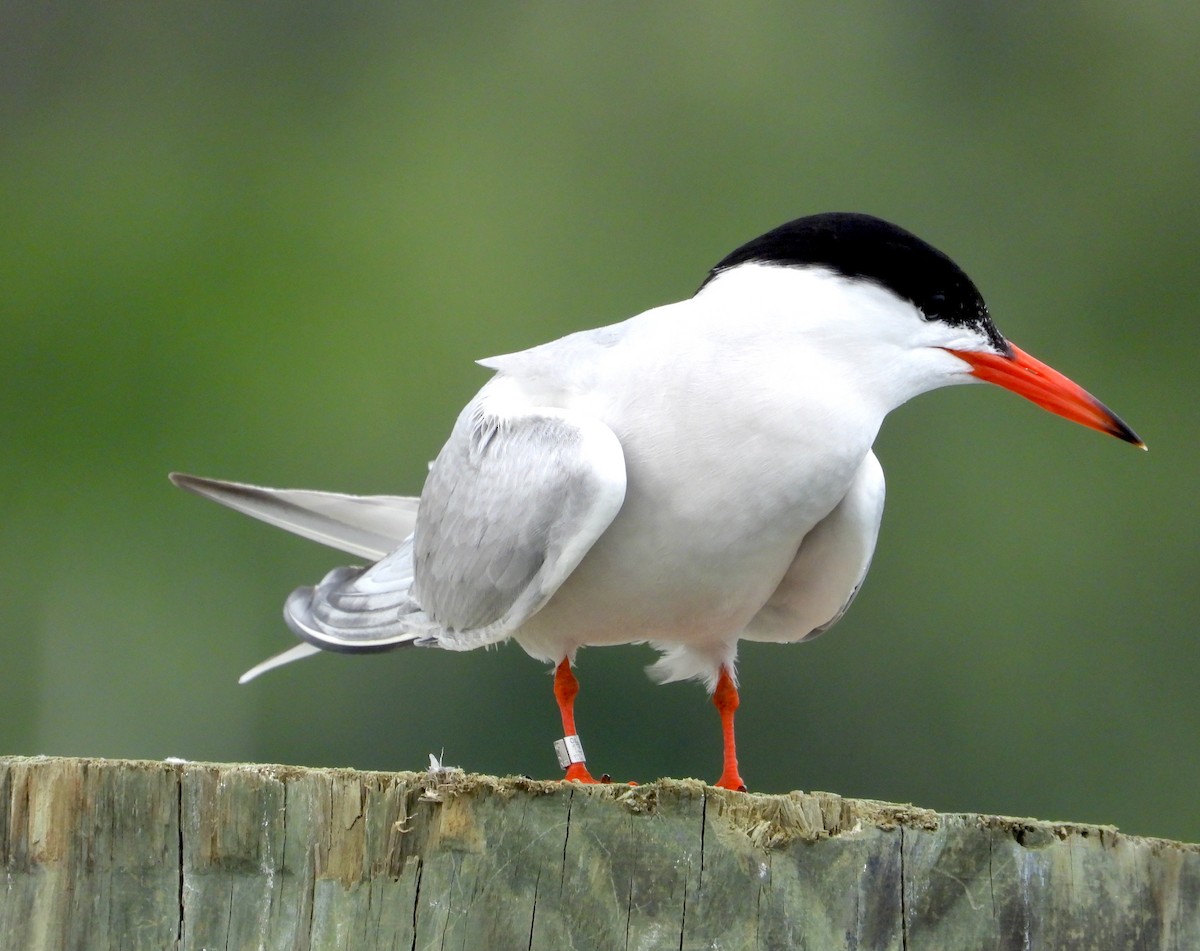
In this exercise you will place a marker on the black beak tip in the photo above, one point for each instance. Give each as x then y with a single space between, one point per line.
1121 430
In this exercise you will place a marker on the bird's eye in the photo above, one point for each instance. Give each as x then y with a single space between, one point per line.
933 307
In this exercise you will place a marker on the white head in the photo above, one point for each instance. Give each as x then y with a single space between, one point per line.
898 309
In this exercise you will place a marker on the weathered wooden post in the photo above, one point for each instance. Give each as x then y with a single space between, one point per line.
103 854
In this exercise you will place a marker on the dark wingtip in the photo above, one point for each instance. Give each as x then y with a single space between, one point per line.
198 484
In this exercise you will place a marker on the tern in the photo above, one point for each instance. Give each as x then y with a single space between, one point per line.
696 475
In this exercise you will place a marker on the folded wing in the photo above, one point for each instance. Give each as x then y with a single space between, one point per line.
511 506
829 566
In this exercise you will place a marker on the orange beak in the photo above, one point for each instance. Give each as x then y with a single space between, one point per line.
1045 386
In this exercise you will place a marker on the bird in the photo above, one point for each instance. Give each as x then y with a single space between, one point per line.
691 477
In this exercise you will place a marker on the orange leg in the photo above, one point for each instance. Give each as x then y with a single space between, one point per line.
566 687
725 699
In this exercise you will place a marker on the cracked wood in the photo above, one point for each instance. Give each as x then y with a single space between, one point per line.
109 854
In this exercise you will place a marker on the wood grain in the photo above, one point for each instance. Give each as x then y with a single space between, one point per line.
102 854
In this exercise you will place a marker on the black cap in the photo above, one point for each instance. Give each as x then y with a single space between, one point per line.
862 247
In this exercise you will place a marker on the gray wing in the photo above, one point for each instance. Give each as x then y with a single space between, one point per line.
360 610
829 566
366 525
512 504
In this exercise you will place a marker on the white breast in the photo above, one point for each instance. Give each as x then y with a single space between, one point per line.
738 440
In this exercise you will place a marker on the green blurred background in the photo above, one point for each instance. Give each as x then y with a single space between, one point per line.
266 242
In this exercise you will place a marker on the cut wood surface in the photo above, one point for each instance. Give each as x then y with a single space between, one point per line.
101 854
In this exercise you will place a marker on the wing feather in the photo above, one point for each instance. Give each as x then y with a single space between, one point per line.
369 526
511 506
829 566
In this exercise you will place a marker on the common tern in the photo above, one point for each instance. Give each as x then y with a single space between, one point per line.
696 475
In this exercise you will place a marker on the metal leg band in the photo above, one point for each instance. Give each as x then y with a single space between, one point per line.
569 751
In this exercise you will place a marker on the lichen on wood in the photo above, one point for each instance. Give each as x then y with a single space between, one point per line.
115 854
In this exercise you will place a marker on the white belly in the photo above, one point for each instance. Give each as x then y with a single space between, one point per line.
733 453
691 561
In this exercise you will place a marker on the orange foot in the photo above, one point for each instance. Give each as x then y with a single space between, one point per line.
734 782
725 699
566 688
578 773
